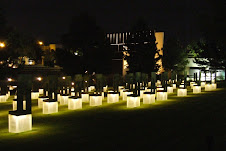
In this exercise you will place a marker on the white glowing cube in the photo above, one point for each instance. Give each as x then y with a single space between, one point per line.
95 100
40 101
181 92
3 98
50 107
112 97
133 101
203 84
34 95
15 96
85 97
124 95
208 87
20 123
214 86
196 89
141 93
169 89
148 98
160 96
15 105
74 103
174 86
64 100
41 91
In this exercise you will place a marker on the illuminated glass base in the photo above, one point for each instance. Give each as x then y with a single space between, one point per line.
148 98
20 123
50 107
34 95
181 92
74 103
124 94
85 97
160 96
64 100
112 97
40 101
196 89
95 100
133 101
169 90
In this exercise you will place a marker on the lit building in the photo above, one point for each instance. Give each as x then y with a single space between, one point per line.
118 40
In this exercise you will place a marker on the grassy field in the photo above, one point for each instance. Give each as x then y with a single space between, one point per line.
179 124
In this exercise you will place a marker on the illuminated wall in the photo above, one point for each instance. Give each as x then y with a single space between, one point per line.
160 41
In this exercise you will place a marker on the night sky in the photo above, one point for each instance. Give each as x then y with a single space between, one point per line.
49 19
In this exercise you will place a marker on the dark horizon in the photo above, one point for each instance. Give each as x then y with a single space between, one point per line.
48 20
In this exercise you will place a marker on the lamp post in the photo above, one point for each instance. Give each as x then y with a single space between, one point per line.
2 44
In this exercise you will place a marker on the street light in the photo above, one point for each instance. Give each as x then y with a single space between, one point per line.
40 43
2 44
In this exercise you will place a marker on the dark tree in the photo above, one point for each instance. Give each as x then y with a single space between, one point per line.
87 40
174 57
142 49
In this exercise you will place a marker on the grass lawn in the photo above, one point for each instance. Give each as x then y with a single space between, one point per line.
178 124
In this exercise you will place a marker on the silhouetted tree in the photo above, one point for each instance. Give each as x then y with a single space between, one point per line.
142 49
175 56
87 40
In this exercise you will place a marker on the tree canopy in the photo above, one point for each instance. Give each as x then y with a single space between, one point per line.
175 56
142 49
87 40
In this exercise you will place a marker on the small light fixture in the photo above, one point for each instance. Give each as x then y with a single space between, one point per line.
39 78
9 79
72 83
63 78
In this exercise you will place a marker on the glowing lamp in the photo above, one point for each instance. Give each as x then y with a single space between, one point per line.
192 84
148 98
169 90
161 95
95 100
121 91
85 97
208 87
39 78
50 106
64 99
133 101
196 89
34 95
181 92
72 89
2 44
3 98
40 101
15 105
10 79
19 123
112 97
125 93
74 103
